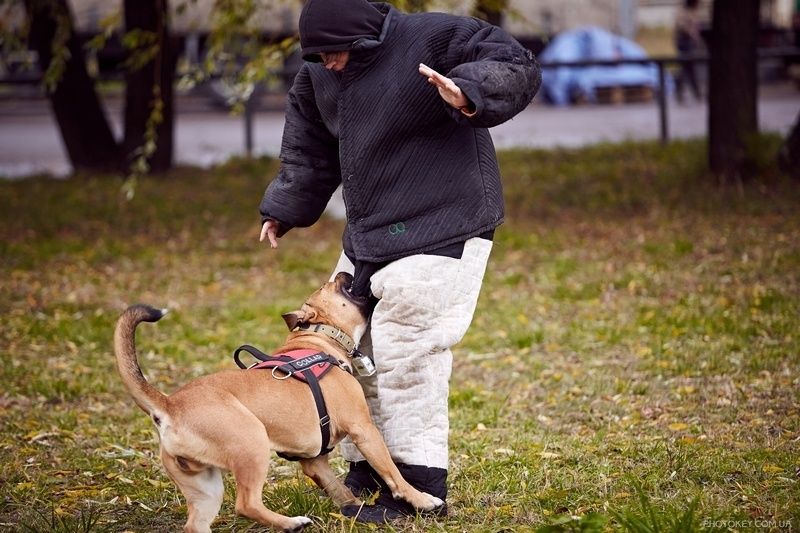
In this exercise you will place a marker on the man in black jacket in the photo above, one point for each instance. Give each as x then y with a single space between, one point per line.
370 111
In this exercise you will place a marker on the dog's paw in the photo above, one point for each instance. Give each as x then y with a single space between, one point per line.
431 502
299 523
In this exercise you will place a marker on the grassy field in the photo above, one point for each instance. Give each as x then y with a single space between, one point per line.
633 363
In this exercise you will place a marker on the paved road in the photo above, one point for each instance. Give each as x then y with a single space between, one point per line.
30 143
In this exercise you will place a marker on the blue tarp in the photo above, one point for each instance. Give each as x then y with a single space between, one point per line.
560 85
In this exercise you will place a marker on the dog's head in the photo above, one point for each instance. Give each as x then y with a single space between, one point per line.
333 304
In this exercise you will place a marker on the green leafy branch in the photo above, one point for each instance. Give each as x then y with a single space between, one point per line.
61 54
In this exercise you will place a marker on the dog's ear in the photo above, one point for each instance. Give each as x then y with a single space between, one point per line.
302 316
294 319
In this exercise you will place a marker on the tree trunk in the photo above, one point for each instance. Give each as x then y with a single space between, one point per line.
81 119
732 87
150 86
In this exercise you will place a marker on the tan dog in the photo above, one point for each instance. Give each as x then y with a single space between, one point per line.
231 420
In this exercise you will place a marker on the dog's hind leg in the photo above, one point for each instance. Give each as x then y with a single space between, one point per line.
319 470
249 466
202 487
250 473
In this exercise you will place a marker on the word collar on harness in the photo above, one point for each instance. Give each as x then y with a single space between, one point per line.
308 366
292 364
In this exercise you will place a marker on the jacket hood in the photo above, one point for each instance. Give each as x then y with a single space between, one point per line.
336 25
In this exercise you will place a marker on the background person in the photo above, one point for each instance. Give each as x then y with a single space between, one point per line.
688 42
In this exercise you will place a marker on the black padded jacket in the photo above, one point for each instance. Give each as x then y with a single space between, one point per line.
416 173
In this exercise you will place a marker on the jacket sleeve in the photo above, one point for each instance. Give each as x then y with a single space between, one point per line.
498 75
309 172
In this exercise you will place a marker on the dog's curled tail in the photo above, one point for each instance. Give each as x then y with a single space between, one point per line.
145 395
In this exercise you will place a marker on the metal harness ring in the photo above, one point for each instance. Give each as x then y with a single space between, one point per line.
286 375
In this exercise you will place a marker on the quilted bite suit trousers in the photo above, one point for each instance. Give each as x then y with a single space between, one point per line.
425 305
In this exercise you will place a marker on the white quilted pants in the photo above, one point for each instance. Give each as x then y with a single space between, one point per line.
425 306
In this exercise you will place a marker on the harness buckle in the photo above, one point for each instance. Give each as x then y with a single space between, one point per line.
325 420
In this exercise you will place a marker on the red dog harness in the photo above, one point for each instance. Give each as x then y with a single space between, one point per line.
308 366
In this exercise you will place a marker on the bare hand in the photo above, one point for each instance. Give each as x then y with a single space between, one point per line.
448 90
270 231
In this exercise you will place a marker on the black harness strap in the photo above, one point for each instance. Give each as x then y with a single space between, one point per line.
322 411
291 368
255 352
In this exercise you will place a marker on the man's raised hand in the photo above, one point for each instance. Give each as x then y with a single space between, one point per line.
448 90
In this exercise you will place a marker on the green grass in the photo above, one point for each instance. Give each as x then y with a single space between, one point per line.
633 363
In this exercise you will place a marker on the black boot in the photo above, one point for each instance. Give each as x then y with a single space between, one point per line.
386 509
362 479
